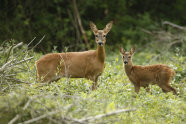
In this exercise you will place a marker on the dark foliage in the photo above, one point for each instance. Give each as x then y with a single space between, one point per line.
22 20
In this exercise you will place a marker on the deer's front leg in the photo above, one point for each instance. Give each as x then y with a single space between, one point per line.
94 85
137 87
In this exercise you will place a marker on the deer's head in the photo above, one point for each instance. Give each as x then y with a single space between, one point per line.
101 34
127 56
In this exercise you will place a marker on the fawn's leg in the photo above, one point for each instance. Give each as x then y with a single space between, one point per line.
165 88
172 89
147 88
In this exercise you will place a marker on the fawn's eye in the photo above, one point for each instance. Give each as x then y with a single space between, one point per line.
123 57
96 35
104 35
129 57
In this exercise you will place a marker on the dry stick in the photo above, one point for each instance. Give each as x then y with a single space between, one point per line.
80 24
6 64
105 115
31 41
21 61
38 43
14 119
25 107
174 25
40 117
9 53
18 45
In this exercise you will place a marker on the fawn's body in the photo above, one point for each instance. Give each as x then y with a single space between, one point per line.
142 76
87 64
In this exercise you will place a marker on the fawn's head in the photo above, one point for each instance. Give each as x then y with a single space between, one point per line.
127 56
100 34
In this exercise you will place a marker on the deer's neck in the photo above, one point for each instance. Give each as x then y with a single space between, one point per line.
128 68
100 53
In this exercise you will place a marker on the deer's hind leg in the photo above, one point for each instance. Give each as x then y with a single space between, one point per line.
164 84
167 88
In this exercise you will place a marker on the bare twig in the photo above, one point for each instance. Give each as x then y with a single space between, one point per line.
14 119
18 45
38 43
9 51
24 60
146 31
105 115
40 117
174 25
31 41
6 64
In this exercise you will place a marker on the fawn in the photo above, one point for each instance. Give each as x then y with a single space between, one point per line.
142 76
87 64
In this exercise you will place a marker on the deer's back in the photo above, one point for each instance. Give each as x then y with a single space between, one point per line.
73 64
152 73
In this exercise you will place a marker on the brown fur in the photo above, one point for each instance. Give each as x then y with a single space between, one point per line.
87 64
142 76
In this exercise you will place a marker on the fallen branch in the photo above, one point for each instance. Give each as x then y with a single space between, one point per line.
40 117
14 119
174 25
105 115
21 61
6 64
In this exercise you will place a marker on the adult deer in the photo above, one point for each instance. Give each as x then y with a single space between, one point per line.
87 64
142 76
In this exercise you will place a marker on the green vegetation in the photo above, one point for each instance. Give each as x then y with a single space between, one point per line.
70 100
154 27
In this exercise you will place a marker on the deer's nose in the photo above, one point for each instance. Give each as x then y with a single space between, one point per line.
100 43
125 62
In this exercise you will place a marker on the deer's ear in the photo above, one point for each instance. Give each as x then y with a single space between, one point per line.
122 51
93 27
108 27
132 50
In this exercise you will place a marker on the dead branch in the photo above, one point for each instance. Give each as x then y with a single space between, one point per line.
146 31
38 43
40 117
105 115
80 24
174 25
6 64
31 41
24 60
18 45
9 51
14 119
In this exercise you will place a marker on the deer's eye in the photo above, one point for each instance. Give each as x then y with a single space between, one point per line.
104 35
123 57
129 56
96 35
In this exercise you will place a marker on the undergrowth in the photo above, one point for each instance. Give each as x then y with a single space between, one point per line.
70 100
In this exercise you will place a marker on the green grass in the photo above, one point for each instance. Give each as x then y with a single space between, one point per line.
75 100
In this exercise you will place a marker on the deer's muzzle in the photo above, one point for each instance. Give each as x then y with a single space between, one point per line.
100 43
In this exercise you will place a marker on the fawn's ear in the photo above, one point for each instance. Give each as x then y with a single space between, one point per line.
108 27
122 51
132 50
93 27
